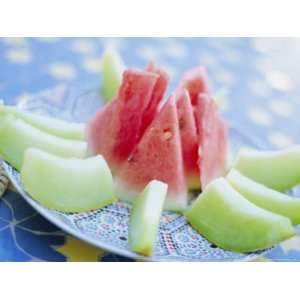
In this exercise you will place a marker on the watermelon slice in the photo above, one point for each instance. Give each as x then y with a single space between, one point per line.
116 128
189 138
157 156
196 81
157 95
211 129
213 136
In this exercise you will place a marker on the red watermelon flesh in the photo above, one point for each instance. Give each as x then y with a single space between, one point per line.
196 81
157 95
213 135
97 131
116 128
189 138
157 156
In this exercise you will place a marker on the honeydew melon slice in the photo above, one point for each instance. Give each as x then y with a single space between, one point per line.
60 128
231 222
112 69
67 184
145 217
279 170
16 136
265 197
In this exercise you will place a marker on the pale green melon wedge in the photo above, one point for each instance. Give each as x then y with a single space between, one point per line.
145 217
67 184
112 69
265 197
64 129
16 136
231 222
279 170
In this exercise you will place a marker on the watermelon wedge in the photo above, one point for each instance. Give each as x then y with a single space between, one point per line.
211 128
196 81
189 138
157 95
213 136
116 128
158 156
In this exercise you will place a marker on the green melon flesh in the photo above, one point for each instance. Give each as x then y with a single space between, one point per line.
265 197
60 128
67 184
16 136
112 69
145 217
231 222
279 170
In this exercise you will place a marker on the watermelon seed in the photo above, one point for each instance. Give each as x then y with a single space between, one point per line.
181 123
131 158
167 135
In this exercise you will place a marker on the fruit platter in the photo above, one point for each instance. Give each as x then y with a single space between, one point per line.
146 173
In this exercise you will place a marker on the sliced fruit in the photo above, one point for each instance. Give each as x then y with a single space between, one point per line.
145 217
158 156
213 137
60 128
112 69
231 222
157 95
196 81
265 197
279 170
17 136
115 135
189 139
67 184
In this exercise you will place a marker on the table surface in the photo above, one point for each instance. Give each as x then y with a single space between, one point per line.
259 78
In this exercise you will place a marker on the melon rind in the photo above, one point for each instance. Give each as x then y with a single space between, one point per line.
17 136
231 222
67 184
59 128
145 217
112 69
279 170
175 203
265 197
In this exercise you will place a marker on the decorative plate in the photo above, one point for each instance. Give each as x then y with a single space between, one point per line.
107 228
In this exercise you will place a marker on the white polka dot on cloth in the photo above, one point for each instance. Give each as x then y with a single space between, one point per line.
16 41
282 108
83 46
280 140
175 49
231 56
148 53
260 116
19 56
92 64
279 80
225 77
207 59
63 71
263 45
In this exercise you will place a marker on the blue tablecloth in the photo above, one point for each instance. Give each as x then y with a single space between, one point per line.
259 80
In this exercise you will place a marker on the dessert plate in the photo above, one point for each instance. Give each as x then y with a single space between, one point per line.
107 228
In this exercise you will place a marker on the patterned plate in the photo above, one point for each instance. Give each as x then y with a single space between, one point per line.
107 228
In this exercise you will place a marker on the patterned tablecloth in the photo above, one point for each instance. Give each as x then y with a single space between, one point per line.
260 79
